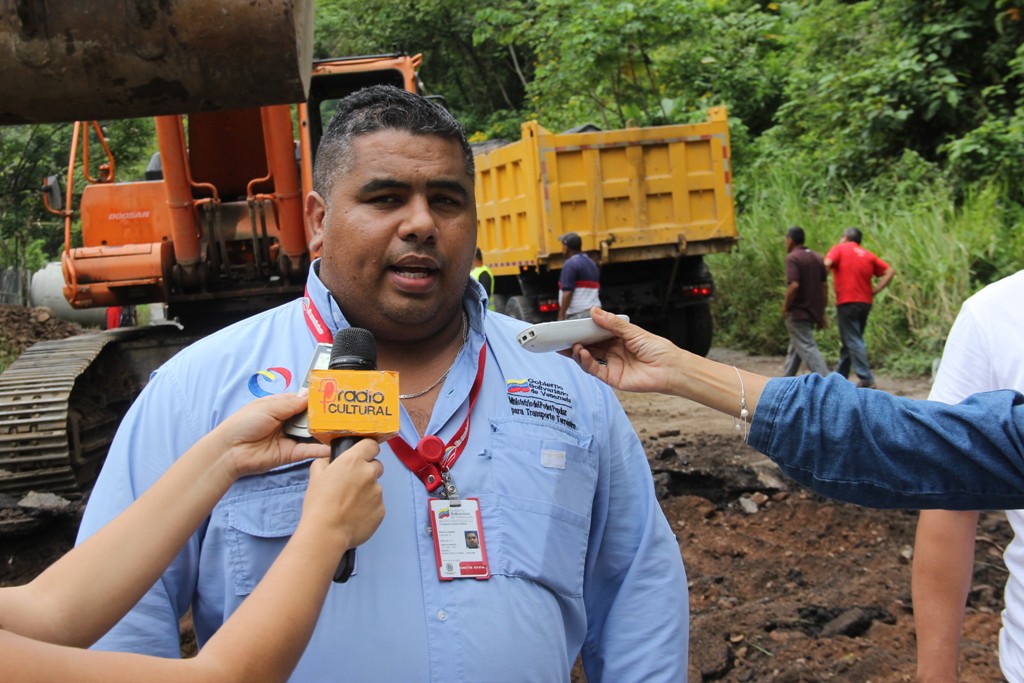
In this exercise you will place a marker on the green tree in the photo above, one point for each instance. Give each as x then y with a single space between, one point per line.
27 155
870 80
604 61
477 77
29 235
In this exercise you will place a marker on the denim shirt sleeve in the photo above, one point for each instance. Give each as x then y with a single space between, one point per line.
872 448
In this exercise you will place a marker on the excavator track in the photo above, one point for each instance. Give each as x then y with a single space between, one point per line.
61 402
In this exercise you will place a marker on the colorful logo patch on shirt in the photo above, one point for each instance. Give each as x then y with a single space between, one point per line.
537 399
518 386
270 381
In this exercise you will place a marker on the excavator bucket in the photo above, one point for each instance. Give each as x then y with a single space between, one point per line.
77 60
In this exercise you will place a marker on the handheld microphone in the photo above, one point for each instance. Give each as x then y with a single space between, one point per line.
352 400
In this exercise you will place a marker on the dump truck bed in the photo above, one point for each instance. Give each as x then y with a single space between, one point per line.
632 195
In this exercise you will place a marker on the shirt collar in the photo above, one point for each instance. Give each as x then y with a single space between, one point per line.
324 301
474 300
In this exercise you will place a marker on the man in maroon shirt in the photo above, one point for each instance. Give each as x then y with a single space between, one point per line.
854 270
804 305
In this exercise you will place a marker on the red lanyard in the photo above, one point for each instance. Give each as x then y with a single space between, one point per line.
315 321
432 458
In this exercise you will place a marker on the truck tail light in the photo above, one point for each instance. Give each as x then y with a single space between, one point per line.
697 291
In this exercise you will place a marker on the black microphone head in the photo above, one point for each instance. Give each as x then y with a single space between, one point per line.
354 349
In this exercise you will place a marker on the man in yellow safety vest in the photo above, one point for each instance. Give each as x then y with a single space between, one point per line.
484 275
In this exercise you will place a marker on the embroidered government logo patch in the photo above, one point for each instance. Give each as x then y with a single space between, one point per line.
518 386
541 400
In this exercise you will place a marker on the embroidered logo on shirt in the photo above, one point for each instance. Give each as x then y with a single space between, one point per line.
518 386
270 381
542 400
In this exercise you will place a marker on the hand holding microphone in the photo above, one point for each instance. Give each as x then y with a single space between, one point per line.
344 502
352 400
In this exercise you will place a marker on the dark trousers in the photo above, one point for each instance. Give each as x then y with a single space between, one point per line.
853 318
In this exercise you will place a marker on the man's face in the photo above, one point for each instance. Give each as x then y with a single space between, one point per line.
399 234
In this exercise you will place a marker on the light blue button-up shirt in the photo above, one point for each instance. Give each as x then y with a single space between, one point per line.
581 556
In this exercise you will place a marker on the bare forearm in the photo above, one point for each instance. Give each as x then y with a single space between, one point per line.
139 543
791 291
262 641
285 604
714 384
942 572
342 508
884 280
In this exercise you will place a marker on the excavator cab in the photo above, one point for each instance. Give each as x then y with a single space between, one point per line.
333 81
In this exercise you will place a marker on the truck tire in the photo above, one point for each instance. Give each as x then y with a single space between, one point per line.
690 328
500 301
522 308
699 327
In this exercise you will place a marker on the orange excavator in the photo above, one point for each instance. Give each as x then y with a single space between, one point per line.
214 231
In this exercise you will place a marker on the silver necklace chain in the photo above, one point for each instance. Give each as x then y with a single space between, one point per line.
465 338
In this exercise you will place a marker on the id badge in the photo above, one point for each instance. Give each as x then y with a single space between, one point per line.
459 540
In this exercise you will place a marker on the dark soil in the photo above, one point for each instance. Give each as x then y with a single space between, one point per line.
21 327
784 585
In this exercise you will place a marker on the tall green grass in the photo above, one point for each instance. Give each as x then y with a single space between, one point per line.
943 250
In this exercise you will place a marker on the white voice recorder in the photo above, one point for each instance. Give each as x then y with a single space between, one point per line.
562 334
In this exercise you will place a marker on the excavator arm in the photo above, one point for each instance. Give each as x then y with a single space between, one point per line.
80 60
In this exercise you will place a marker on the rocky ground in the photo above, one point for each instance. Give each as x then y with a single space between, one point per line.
784 585
20 327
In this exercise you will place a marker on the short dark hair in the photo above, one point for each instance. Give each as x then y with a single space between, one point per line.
478 255
796 233
378 108
572 240
853 234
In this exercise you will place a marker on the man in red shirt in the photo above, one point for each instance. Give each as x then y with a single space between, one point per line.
854 270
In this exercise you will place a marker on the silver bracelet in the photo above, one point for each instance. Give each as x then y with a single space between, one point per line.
742 426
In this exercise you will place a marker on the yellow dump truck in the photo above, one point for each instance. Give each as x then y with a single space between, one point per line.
648 203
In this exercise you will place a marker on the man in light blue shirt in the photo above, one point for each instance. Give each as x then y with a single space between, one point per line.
580 558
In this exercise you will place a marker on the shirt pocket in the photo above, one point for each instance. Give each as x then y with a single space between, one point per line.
258 527
544 481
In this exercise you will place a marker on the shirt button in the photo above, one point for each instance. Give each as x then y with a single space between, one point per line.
442 615
429 531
